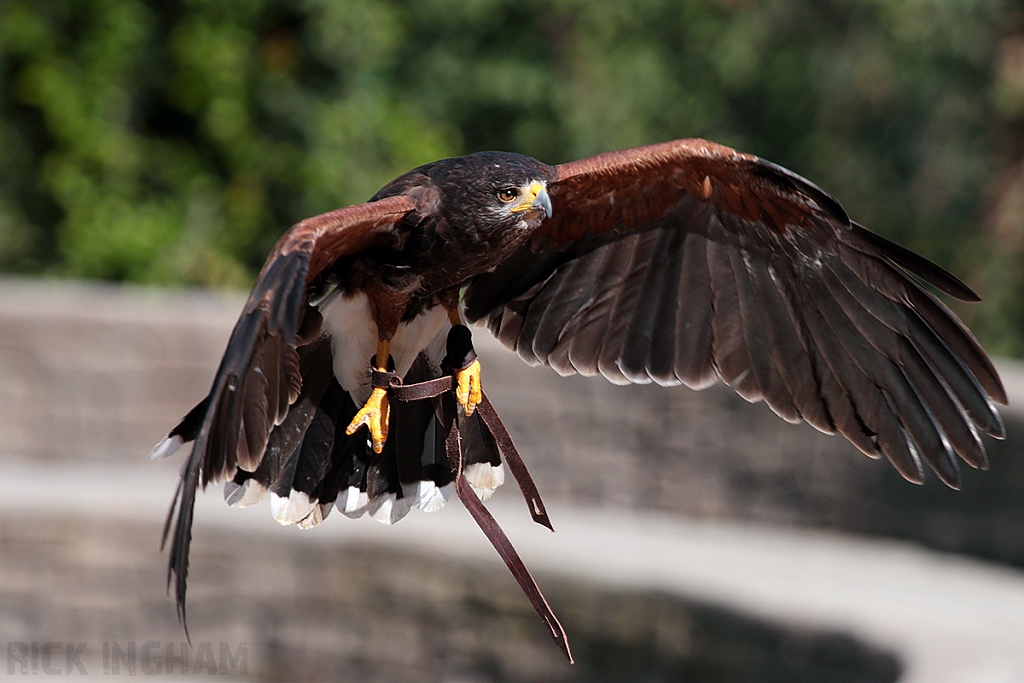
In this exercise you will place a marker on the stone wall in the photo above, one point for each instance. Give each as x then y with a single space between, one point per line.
100 373
291 609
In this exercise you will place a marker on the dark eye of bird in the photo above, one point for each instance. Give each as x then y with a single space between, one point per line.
507 194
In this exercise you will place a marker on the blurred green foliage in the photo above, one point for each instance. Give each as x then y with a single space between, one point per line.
173 140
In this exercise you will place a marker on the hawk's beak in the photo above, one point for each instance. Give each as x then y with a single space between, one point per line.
535 199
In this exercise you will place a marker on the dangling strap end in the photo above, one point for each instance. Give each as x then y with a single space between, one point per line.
494 425
512 560
539 514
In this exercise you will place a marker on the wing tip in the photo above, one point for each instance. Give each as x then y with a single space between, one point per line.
933 274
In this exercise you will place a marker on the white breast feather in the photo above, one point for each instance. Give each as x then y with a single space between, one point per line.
354 340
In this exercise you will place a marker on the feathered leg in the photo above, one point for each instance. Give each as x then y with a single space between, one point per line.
465 365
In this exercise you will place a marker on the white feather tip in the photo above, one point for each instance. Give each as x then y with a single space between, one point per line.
167 447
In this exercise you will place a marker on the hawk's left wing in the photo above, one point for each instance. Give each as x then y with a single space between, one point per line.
261 373
688 262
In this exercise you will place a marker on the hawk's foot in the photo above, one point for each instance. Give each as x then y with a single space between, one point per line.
461 361
467 390
374 414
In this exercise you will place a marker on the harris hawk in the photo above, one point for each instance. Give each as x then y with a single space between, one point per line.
685 262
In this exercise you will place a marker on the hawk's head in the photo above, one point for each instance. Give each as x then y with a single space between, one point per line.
491 191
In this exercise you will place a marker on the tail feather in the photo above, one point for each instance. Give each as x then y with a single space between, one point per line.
481 459
327 468
293 494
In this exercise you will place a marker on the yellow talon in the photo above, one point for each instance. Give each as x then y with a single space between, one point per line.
374 414
468 392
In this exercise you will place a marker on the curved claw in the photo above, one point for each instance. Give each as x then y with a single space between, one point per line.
468 392
374 414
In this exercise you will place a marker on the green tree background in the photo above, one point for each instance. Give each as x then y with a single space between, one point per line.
171 141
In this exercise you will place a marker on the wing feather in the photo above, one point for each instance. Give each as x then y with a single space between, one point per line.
915 415
925 342
764 371
883 275
729 344
626 306
789 357
651 335
575 302
871 406
534 316
585 344
763 374
568 290
878 320
693 361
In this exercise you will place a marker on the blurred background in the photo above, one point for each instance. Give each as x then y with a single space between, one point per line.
169 143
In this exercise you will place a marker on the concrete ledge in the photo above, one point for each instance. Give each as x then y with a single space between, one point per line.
948 619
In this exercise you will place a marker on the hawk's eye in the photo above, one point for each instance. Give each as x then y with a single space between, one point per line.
507 194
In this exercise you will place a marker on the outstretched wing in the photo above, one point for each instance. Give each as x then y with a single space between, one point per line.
688 262
259 376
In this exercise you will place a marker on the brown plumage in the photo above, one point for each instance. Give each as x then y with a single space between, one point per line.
682 262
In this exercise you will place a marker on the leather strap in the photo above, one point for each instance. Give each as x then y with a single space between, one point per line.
443 387
422 390
494 425
515 564
383 380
